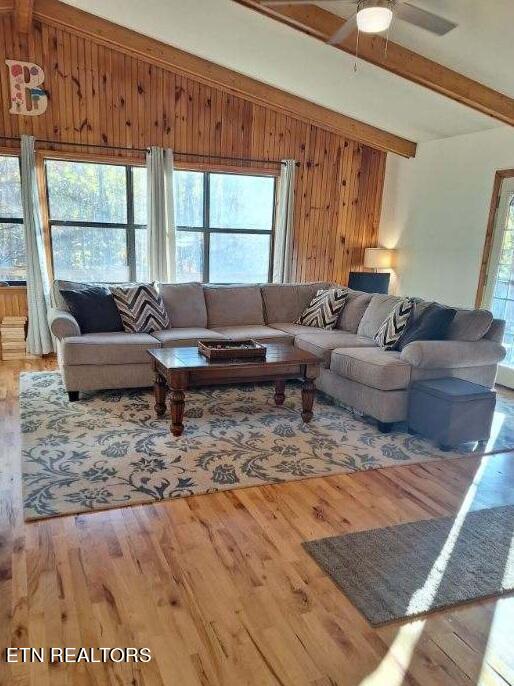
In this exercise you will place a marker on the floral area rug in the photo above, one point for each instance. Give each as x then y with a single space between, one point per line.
109 449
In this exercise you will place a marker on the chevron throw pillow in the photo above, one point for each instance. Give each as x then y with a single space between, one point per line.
141 308
394 325
324 309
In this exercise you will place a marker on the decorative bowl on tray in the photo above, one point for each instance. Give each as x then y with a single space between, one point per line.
232 350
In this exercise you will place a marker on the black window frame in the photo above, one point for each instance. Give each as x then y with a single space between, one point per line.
130 226
14 220
207 229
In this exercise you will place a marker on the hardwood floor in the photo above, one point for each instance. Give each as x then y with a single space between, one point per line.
221 591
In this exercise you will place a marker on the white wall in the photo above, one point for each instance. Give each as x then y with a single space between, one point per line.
435 212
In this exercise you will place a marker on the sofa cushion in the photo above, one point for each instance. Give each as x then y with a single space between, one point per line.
184 303
108 348
324 309
233 305
259 333
353 311
295 329
496 331
322 343
284 302
470 325
380 306
185 336
374 367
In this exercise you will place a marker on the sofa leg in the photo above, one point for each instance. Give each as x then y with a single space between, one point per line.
73 396
384 427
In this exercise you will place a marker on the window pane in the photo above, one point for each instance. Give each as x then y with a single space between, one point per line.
90 254
241 202
83 191
236 258
10 190
498 308
188 190
139 182
189 256
12 252
503 272
501 289
141 255
508 344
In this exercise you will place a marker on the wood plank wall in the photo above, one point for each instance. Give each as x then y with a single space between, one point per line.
98 95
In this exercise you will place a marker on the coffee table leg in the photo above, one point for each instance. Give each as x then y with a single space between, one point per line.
177 411
308 390
280 387
160 389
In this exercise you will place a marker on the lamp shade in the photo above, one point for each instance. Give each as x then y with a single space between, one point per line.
378 258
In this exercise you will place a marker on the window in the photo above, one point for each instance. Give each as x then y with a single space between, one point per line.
224 226
12 239
97 221
499 290
97 218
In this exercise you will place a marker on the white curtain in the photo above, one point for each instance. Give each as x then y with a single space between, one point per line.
161 215
283 248
39 338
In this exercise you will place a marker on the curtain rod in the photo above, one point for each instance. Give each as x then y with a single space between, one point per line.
145 150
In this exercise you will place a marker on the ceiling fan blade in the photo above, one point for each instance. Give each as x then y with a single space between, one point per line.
346 30
425 20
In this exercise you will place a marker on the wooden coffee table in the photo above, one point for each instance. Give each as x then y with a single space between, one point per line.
177 369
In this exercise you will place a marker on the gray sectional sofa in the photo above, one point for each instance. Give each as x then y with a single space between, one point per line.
354 370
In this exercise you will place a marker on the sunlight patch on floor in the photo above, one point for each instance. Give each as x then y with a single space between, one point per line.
395 663
498 421
500 633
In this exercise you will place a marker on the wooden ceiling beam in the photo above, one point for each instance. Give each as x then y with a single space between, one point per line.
401 61
23 15
167 56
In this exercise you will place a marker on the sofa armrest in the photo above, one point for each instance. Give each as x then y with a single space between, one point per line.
62 324
452 354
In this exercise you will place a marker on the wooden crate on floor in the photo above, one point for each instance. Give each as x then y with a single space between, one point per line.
12 335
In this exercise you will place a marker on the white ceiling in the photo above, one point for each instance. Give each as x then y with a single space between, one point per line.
481 47
246 41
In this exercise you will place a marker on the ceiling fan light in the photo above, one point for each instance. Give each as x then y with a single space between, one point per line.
374 19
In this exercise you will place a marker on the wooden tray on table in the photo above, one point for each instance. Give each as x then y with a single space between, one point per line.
232 350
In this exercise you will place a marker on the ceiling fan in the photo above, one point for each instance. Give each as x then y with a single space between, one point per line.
375 16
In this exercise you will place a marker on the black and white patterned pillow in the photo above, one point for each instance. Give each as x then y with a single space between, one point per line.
141 308
324 309
394 325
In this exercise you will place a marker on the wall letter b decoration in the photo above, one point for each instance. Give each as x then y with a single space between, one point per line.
26 95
